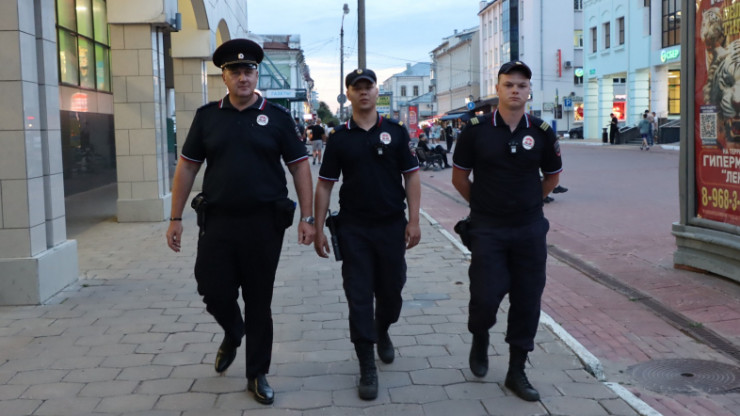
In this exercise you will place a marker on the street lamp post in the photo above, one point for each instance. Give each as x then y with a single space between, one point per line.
342 98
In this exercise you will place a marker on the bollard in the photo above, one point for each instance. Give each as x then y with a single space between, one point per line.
604 135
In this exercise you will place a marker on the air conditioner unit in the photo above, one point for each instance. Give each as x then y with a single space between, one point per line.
567 64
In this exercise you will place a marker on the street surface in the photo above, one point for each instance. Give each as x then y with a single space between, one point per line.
616 218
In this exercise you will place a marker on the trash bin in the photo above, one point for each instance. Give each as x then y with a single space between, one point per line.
604 136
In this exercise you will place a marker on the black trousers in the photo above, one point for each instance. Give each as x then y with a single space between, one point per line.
373 268
508 260
613 133
241 253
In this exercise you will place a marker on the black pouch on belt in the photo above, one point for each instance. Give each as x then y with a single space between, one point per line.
463 229
284 213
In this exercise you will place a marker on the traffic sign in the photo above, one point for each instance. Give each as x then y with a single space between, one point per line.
568 103
471 105
341 98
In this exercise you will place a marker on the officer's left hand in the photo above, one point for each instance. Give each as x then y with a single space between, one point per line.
413 235
306 233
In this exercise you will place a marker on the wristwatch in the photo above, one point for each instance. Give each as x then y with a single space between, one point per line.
308 219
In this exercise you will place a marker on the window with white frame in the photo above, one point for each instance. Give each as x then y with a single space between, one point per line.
620 30
594 39
607 35
578 39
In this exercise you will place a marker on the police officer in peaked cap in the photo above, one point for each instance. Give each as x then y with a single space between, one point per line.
244 208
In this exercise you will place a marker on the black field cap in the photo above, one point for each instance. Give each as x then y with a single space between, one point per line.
359 74
238 52
520 66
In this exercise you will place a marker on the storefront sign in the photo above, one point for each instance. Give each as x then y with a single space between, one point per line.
670 54
383 105
717 139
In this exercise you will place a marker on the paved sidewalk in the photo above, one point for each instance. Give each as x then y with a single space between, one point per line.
132 338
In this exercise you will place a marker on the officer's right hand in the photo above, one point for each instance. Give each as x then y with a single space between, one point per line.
174 235
321 244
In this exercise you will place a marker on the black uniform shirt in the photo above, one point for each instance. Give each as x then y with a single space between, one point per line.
243 151
372 185
507 189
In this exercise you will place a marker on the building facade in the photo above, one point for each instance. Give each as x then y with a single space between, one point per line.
455 73
99 87
284 75
630 71
407 85
548 37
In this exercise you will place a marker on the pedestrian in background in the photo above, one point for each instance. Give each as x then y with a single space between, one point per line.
244 208
655 127
317 134
372 155
613 129
644 125
449 136
505 151
651 133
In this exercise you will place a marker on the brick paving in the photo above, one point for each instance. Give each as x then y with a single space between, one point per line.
132 338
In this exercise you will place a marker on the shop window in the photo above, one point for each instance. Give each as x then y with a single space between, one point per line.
674 92
83 44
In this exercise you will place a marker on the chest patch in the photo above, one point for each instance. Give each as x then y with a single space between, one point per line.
528 142
262 120
385 138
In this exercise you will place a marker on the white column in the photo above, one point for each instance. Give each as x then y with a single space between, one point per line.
36 259
606 101
638 95
140 122
591 112
190 93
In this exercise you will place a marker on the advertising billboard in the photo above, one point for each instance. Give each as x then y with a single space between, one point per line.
717 111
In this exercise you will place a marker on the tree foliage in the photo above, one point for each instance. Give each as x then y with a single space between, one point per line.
325 114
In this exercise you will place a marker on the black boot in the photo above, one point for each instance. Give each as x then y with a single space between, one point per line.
516 379
479 354
263 393
385 345
225 355
368 388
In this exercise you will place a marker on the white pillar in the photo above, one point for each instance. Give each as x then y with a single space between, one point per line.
638 95
591 112
140 122
36 259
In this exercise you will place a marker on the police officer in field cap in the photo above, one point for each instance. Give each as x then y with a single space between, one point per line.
242 138
505 151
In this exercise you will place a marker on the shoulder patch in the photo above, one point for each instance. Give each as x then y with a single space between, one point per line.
544 126
474 121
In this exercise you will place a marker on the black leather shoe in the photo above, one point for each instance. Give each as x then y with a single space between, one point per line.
225 355
385 348
263 393
517 382
479 355
548 199
559 190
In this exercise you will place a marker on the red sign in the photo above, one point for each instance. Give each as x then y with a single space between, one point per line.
717 111
414 121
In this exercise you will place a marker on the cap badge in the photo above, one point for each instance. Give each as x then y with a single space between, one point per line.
385 138
262 120
240 56
359 71
528 142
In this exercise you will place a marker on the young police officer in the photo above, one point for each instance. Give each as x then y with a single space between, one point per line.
242 137
372 153
505 151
